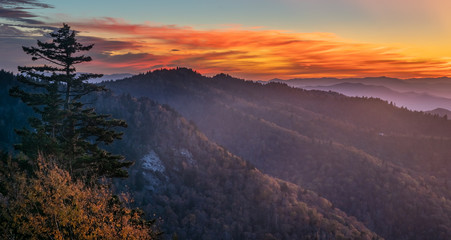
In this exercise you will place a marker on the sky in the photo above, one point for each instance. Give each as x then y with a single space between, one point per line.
251 39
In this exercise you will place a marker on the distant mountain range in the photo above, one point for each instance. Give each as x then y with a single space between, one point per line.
441 112
111 77
410 100
388 167
195 188
223 158
415 94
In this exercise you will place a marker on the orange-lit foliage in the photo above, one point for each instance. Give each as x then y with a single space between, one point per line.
50 205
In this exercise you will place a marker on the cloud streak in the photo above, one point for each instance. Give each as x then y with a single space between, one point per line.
261 54
30 3
248 53
18 10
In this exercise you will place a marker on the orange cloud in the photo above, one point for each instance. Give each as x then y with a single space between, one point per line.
253 54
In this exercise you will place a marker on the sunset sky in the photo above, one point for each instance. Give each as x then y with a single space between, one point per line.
252 39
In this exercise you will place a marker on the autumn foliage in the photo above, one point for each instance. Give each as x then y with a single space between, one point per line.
50 205
59 196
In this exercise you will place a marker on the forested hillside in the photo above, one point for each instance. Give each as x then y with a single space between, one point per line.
386 167
225 120
14 113
389 167
199 190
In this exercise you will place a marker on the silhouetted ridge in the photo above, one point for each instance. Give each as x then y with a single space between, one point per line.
387 166
173 73
200 190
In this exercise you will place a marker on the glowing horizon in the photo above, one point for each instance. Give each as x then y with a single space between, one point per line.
255 52
252 53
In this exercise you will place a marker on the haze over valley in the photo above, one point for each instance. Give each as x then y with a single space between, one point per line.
225 120
422 94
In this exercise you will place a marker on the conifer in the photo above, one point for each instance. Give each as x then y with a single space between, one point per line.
64 126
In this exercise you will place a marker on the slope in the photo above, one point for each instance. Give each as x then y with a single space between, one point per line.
384 165
202 191
199 190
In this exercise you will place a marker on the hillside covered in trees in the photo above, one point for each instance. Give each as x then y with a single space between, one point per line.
387 166
202 191
220 156
199 190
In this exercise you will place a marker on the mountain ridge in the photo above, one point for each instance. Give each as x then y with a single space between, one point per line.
246 117
411 100
386 168
200 190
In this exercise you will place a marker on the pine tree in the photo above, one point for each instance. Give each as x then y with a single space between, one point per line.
64 126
